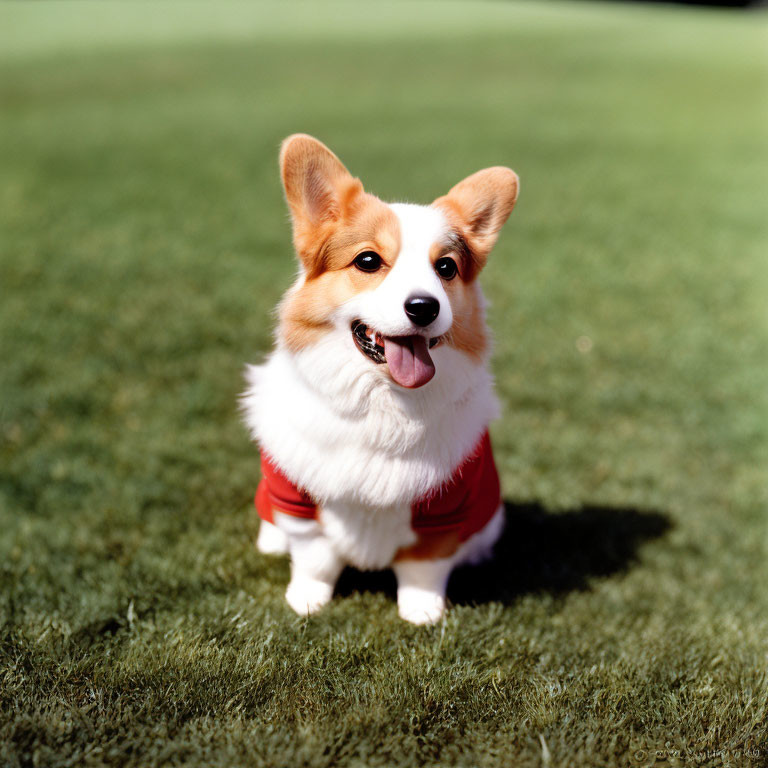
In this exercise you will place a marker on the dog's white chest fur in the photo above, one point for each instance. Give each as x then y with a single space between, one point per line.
364 453
367 537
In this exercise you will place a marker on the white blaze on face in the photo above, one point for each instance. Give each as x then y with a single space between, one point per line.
412 274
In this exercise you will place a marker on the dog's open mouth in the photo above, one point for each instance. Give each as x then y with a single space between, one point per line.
407 357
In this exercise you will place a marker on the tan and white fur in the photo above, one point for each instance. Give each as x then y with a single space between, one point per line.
364 446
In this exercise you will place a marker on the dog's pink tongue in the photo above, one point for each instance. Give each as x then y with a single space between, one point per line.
408 360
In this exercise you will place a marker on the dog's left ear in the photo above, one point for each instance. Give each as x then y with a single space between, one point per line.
479 205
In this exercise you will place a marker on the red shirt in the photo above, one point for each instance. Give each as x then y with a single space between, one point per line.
464 504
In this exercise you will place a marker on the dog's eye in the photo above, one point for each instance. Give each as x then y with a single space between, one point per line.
367 261
446 268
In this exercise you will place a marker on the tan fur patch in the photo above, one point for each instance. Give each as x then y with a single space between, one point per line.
476 209
430 546
468 333
306 311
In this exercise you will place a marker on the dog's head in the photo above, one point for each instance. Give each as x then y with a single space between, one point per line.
393 283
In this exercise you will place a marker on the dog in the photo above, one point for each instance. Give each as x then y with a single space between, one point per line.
372 411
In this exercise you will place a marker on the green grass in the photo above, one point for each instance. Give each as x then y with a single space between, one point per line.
143 245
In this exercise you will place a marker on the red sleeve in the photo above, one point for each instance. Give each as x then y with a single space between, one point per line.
484 494
277 492
467 502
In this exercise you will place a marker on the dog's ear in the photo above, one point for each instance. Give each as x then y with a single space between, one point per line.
479 205
318 188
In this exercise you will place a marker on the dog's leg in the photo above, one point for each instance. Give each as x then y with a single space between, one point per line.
315 566
271 540
421 588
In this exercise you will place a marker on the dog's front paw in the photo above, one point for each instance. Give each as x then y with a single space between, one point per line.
420 606
307 595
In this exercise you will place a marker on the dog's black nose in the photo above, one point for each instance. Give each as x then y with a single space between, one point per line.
422 310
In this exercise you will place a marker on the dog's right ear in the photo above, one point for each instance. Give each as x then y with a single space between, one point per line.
319 191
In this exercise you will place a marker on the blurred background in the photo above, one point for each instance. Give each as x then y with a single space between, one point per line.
144 244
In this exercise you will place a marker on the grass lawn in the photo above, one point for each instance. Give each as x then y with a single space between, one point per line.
143 245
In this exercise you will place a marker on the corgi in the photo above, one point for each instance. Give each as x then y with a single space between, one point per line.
372 411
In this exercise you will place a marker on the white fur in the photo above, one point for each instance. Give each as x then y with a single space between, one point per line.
271 540
363 447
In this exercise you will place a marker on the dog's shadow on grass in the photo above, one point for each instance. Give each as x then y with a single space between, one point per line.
540 551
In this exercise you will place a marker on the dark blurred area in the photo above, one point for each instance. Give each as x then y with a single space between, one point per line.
711 3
